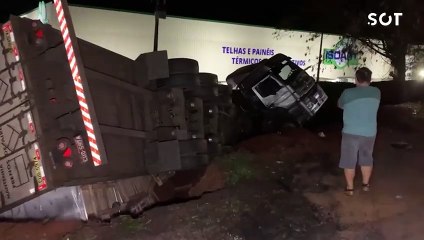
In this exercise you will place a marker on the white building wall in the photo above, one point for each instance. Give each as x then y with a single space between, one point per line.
217 46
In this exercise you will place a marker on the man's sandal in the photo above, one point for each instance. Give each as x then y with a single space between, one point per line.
366 187
348 192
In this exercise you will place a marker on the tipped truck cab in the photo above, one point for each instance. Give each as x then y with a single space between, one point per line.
277 85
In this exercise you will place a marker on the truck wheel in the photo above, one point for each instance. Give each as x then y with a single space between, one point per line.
208 79
205 93
183 65
224 90
186 80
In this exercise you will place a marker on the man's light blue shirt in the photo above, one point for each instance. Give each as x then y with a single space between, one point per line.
360 106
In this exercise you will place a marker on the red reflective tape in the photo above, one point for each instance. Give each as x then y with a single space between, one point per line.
84 109
62 30
15 51
75 68
37 153
7 27
94 150
83 101
31 127
21 74
43 185
58 7
79 89
97 162
69 47
77 81
81 98
93 141
72 55
60 10
86 120
61 21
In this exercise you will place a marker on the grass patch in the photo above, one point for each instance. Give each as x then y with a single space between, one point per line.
128 224
238 166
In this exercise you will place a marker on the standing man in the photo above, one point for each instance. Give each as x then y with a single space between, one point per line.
360 106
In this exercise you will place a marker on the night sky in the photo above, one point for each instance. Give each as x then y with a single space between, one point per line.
329 16
299 13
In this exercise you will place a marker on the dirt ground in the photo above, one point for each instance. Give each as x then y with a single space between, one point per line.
284 186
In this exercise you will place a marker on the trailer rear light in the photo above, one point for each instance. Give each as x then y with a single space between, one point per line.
68 164
67 153
39 34
62 144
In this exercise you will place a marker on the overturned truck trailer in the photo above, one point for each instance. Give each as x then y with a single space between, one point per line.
121 144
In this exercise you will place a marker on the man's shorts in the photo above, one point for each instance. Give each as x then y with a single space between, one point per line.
356 149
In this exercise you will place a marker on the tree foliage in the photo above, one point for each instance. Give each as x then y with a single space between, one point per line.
392 42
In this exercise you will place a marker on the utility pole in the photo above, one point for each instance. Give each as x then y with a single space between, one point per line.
160 12
320 57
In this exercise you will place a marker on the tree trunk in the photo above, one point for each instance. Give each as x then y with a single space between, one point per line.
399 64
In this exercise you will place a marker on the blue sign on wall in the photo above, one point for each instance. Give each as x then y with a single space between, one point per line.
246 56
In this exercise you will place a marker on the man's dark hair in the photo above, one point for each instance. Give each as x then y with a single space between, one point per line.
363 74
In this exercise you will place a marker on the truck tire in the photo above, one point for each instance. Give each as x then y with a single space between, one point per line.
224 90
208 79
204 93
182 66
186 80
